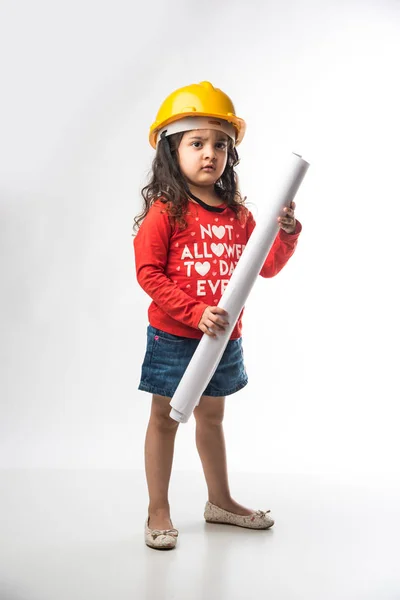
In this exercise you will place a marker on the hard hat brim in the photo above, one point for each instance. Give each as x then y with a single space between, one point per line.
238 123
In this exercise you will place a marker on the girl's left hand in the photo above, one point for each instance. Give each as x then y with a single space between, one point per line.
288 221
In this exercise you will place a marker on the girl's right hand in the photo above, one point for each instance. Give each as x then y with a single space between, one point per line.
210 323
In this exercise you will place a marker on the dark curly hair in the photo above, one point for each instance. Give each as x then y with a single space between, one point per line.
167 184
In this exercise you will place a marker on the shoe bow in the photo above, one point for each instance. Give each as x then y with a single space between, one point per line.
262 513
156 532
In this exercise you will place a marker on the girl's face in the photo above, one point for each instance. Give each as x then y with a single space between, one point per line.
202 155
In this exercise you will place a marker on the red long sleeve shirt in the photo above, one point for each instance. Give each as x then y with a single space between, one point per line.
184 271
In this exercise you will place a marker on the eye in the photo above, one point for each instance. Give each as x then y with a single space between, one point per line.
221 145
193 143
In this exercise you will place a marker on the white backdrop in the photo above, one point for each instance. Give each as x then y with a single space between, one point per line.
80 85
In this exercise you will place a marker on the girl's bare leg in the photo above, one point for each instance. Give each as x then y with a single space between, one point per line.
159 451
210 441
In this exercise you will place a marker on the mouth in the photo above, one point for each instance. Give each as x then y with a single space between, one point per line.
208 168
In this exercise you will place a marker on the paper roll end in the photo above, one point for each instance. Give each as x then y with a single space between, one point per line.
178 416
304 162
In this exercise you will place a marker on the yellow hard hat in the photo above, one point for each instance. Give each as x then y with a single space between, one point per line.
199 99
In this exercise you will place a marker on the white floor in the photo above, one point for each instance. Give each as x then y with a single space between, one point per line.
78 535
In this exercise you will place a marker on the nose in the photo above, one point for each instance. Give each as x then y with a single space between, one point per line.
209 151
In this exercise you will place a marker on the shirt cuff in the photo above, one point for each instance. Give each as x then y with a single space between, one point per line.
287 237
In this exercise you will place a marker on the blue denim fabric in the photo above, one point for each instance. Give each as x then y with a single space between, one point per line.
167 357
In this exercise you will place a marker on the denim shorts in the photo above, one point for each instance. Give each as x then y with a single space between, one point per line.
167 357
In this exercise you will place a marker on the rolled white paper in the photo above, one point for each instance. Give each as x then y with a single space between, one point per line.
209 352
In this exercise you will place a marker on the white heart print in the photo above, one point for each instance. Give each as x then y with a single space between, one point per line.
202 268
219 232
218 249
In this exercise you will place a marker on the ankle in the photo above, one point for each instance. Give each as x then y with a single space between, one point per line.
159 511
159 520
220 500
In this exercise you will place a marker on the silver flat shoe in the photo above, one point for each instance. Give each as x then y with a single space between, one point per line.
257 520
161 539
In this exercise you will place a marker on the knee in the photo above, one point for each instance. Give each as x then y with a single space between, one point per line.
208 418
160 416
164 422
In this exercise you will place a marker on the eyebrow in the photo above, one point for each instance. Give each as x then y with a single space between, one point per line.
199 137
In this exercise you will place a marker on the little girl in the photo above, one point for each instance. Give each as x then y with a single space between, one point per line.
192 231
